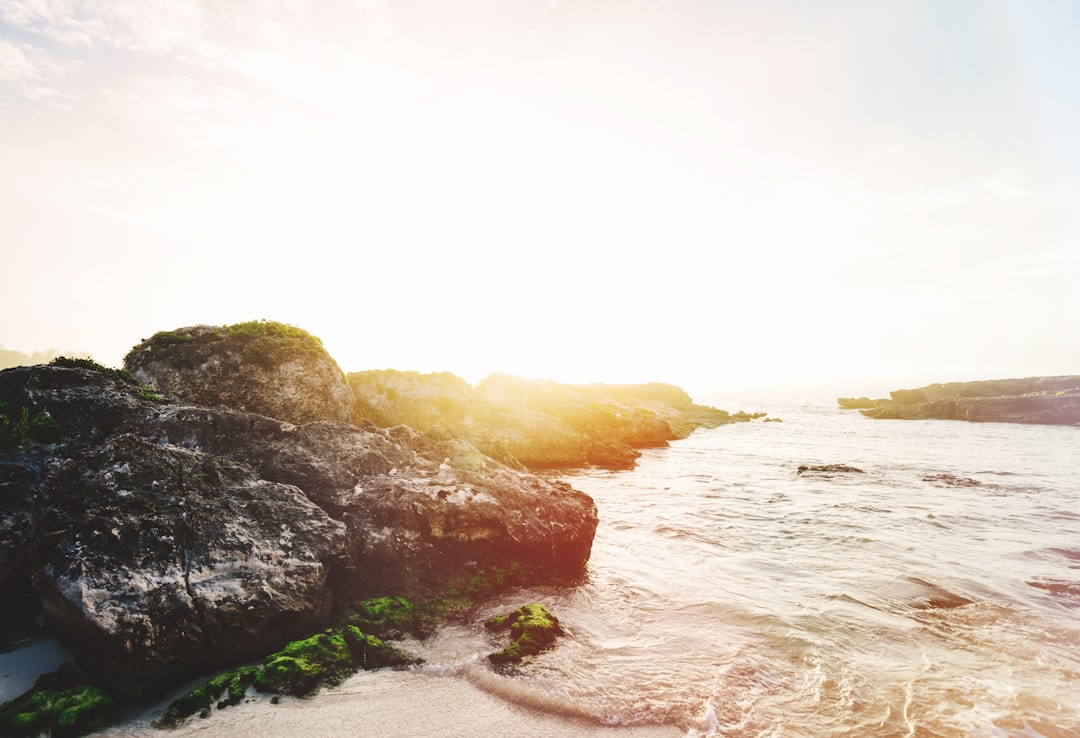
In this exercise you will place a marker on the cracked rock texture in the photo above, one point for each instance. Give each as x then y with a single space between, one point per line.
261 367
160 538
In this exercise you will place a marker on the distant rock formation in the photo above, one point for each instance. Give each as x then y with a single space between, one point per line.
1042 400
855 403
536 424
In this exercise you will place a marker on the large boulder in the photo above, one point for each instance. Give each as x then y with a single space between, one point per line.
159 537
150 559
260 367
155 560
418 515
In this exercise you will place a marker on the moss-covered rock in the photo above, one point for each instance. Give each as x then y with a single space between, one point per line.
299 669
261 366
370 653
305 665
532 630
538 424
70 712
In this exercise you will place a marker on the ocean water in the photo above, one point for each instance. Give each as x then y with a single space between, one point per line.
936 592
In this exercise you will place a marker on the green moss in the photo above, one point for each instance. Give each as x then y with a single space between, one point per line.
16 427
203 698
325 659
305 665
369 652
299 669
393 617
92 365
532 630
267 341
71 712
147 393
499 622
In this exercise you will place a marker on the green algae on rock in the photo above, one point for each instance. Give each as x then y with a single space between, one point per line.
264 367
532 630
299 669
61 714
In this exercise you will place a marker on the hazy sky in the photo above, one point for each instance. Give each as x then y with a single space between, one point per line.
861 194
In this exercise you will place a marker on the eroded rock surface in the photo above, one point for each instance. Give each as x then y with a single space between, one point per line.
260 367
160 537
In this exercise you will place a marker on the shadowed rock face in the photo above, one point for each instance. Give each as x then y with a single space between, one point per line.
161 538
1041 400
261 367
149 558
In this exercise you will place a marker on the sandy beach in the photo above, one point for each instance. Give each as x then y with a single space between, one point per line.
19 669
394 703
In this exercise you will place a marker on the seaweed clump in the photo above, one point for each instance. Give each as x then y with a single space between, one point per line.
532 630
299 669
62 713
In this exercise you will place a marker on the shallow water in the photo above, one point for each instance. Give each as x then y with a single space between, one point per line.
936 593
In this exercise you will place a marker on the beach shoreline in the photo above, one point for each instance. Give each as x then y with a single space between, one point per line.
391 703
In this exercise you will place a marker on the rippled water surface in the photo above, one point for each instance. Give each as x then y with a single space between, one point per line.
934 593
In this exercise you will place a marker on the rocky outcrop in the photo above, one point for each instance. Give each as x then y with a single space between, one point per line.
260 367
150 559
855 403
1042 400
161 537
536 424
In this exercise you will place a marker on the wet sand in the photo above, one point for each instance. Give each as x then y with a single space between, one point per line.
19 669
390 703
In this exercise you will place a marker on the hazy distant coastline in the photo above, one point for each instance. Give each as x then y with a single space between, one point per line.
1040 400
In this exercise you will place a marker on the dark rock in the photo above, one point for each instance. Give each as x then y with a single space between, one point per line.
152 559
160 539
951 480
828 469
66 676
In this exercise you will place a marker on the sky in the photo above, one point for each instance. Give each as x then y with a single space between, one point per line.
854 196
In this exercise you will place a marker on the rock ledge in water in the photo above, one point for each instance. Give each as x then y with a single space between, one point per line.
1040 400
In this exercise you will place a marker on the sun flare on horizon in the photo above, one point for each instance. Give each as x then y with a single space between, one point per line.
707 194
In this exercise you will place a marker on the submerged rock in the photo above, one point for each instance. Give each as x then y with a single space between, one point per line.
829 469
533 630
